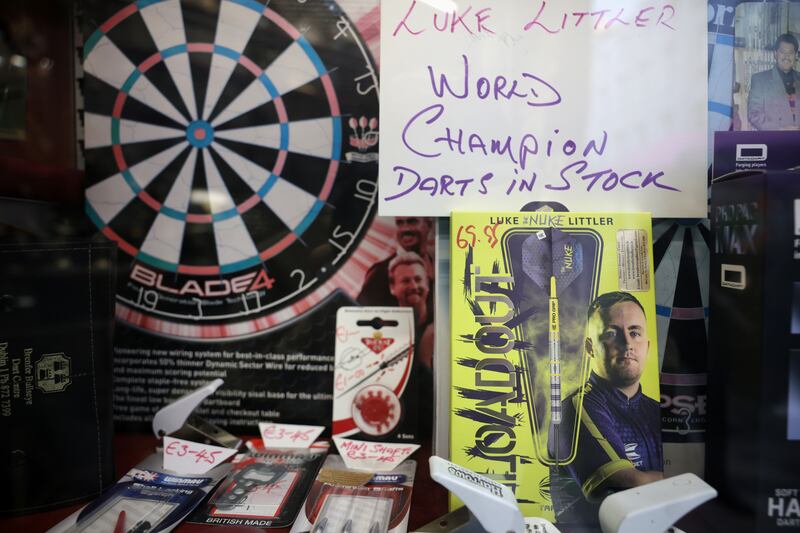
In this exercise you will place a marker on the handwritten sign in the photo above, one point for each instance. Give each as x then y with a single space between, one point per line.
372 456
596 104
186 457
288 435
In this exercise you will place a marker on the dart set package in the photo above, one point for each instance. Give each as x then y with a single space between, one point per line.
554 356
263 489
344 500
148 498
376 379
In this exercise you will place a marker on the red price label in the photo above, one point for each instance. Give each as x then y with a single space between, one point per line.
200 454
187 457
468 235
288 435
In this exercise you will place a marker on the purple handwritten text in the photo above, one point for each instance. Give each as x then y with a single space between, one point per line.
466 21
534 90
552 20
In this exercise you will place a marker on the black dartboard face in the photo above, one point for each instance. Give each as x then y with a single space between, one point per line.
231 151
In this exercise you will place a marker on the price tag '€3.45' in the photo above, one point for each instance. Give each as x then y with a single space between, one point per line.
288 435
186 457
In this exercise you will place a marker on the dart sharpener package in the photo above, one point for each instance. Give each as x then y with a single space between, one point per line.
152 500
521 289
375 379
344 500
263 489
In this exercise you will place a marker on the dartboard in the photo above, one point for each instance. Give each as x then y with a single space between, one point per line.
231 152
682 252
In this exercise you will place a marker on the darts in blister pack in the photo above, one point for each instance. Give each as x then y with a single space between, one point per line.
147 499
265 488
553 317
344 500
375 377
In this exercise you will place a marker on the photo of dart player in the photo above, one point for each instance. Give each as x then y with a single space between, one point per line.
766 79
412 234
410 285
619 432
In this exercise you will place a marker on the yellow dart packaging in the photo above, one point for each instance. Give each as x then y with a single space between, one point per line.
555 388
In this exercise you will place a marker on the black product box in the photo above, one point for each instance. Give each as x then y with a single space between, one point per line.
753 451
56 326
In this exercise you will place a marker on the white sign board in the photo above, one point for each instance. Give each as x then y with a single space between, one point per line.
600 105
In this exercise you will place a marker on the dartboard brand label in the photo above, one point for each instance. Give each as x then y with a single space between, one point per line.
249 282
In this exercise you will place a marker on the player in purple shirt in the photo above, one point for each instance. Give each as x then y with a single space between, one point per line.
619 436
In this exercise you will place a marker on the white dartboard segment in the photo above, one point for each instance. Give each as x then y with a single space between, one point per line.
181 191
110 196
109 64
164 239
234 243
289 202
249 172
164 21
234 28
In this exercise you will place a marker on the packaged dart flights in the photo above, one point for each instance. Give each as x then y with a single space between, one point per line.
344 500
554 357
263 489
377 379
148 498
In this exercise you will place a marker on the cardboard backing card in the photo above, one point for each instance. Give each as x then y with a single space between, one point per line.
537 378
263 489
152 497
375 379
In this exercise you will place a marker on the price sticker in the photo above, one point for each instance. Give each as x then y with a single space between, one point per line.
186 457
288 435
373 456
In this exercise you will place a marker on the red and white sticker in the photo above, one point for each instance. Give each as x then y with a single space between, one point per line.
276 435
373 456
186 457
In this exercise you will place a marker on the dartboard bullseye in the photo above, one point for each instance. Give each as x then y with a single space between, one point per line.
225 156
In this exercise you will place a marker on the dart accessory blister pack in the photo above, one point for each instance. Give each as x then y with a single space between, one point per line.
345 500
264 488
528 394
374 394
152 498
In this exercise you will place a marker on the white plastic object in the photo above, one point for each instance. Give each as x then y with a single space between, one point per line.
654 507
491 503
171 417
